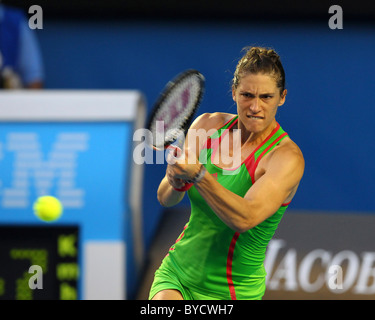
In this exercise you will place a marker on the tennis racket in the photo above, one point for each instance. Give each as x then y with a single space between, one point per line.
174 111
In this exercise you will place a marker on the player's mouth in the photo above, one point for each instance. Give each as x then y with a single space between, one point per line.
255 117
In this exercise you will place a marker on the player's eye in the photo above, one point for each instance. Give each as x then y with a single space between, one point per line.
247 95
267 96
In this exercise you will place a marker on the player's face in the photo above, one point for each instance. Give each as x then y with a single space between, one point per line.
257 98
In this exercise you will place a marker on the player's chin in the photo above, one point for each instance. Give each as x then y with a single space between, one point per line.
255 124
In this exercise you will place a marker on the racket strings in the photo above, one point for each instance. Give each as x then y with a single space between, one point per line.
176 109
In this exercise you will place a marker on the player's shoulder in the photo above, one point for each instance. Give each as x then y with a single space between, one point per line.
213 120
289 152
288 145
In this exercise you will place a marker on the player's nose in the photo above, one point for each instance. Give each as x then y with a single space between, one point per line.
255 105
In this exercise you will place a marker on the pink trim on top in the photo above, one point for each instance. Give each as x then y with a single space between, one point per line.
208 143
232 290
178 239
216 142
286 204
250 161
253 168
253 165
230 121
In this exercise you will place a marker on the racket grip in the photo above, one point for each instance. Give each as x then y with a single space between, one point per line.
177 152
186 187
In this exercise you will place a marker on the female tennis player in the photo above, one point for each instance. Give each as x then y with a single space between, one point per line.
235 208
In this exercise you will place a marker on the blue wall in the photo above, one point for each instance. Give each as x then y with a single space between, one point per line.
330 79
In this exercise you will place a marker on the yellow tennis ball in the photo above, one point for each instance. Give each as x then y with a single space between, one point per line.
48 208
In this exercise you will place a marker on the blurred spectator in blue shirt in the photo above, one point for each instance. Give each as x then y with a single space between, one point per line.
20 58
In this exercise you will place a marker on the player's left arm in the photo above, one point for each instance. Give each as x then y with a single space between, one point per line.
283 172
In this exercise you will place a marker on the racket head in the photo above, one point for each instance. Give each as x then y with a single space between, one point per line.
175 109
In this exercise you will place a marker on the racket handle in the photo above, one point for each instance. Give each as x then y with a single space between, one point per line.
186 187
177 152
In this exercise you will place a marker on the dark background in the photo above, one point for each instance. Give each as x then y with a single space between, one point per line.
193 9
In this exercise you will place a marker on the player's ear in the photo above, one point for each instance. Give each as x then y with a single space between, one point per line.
234 94
282 98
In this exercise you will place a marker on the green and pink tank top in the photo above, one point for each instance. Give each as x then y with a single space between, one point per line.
208 256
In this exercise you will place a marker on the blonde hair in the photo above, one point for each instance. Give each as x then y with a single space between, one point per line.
260 60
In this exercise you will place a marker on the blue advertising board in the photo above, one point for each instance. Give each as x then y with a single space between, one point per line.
78 147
